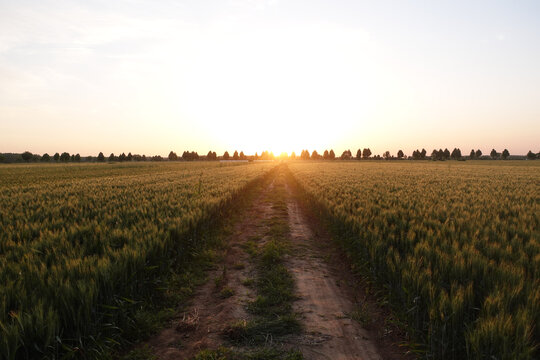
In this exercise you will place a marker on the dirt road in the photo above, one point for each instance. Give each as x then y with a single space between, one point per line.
326 305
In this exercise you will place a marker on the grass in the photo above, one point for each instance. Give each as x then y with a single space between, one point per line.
142 353
221 279
264 330
226 292
275 285
250 247
360 314
239 266
272 307
264 353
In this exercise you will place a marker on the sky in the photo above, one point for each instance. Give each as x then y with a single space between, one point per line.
149 77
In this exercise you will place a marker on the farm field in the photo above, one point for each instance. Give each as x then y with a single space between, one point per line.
456 247
81 245
453 248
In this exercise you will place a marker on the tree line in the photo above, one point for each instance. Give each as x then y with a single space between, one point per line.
366 154
361 154
212 156
65 157
27 156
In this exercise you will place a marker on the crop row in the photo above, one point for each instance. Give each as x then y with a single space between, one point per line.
456 246
80 242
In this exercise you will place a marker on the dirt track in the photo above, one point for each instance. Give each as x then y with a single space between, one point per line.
330 333
325 302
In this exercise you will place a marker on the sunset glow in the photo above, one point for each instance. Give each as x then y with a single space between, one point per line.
152 77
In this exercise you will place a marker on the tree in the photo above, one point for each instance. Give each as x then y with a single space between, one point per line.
332 154
211 156
434 154
78 158
226 155
441 155
325 155
493 154
56 157
400 154
293 156
346 155
315 155
387 155
111 157
46 157
446 154
366 153
101 157
122 157
173 156
235 155
505 154
65 157
419 155
27 156
478 154
129 157
531 155
358 154
190 155
265 155
304 155
456 154
242 156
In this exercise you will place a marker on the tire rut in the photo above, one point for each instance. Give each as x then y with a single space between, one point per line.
323 305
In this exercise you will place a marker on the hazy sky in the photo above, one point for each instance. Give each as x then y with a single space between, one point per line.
154 76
